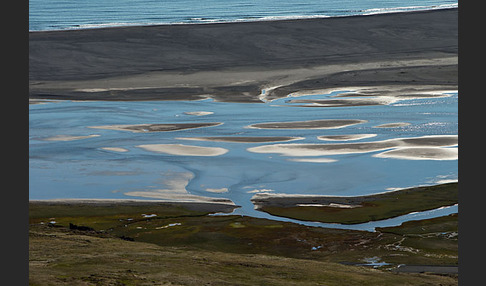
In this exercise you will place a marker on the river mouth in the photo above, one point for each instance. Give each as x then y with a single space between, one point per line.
203 151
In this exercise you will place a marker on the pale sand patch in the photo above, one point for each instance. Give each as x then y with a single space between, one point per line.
259 191
423 153
176 191
218 191
69 137
160 127
332 205
384 94
199 113
350 137
110 89
370 95
305 150
114 149
244 139
312 160
310 124
392 125
184 150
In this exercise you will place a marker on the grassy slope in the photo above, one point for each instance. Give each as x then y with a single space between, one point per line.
188 247
62 257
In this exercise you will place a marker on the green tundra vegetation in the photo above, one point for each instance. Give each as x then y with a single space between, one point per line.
366 208
171 244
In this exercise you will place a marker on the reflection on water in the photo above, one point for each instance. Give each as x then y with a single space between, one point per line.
70 160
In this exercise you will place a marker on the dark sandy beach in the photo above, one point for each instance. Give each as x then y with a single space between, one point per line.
245 62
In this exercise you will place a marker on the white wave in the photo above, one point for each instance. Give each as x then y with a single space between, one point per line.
202 20
373 11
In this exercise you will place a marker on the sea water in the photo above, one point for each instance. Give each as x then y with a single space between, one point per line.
75 14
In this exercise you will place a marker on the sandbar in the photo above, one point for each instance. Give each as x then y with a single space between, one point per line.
368 95
244 139
345 137
310 124
199 113
392 125
235 62
184 150
296 149
69 137
312 160
175 190
423 153
114 149
160 127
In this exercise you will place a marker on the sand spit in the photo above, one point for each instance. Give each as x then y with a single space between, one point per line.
332 205
346 102
199 113
218 191
312 160
350 137
310 124
162 127
114 149
176 191
296 149
244 139
69 137
184 150
392 125
423 153
369 95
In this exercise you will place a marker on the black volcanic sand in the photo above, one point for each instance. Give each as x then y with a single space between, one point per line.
236 61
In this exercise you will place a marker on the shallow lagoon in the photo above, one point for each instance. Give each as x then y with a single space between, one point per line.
82 168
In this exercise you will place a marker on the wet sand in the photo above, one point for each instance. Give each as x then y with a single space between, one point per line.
184 150
403 148
245 62
343 137
310 124
142 128
244 139
69 137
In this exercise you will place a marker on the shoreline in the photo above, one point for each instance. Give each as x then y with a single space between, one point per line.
397 10
245 61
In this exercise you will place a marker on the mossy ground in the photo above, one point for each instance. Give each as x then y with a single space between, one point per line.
374 207
179 246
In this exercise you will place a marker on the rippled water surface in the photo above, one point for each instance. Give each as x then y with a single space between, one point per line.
68 159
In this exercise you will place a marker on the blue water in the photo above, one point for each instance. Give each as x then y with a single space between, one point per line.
82 169
75 14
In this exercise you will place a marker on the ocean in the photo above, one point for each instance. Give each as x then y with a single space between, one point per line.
83 14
